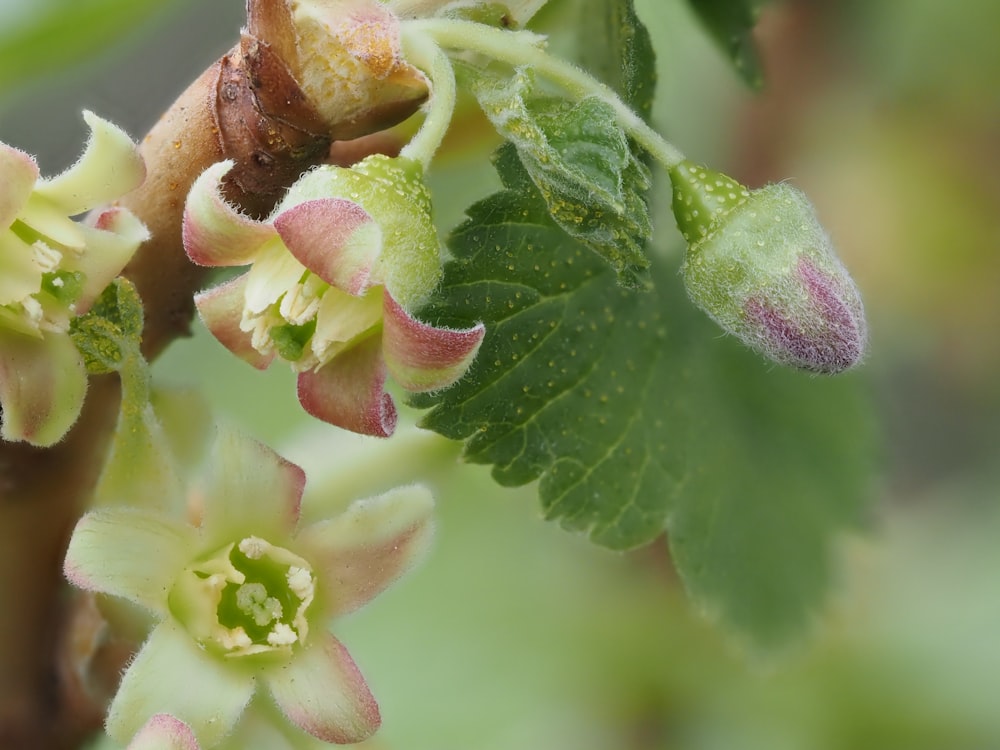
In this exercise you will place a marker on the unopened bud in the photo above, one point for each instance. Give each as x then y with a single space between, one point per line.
761 266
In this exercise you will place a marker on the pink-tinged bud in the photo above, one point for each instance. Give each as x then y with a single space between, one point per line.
760 264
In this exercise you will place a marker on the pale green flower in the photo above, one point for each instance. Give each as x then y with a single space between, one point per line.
52 268
243 597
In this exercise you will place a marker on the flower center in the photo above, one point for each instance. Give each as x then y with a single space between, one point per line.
311 323
247 598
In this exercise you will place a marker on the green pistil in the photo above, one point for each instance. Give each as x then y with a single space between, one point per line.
261 601
248 598
290 340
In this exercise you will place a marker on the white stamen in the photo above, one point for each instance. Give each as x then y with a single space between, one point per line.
300 581
282 635
254 547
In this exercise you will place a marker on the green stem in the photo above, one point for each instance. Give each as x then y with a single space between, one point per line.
422 52
523 48
140 455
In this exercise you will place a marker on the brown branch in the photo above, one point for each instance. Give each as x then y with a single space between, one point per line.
247 107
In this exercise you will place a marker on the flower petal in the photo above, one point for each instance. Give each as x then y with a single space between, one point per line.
334 238
421 357
251 490
215 233
322 692
170 674
135 554
20 275
362 551
112 237
221 309
349 391
52 223
273 273
110 167
20 172
342 319
42 386
164 732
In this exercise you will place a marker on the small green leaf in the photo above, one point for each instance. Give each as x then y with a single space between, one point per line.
111 330
636 417
99 341
731 22
583 165
120 304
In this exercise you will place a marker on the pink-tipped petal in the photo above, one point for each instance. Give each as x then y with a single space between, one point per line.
366 548
421 357
42 386
112 237
164 732
221 310
215 233
130 553
109 167
172 675
251 490
20 172
334 238
349 391
322 692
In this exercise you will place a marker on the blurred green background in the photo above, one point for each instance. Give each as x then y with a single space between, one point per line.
515 634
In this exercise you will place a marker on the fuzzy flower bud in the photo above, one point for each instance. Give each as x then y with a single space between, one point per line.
761 266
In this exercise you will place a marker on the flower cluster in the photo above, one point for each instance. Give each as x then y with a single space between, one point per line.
333 273
243 597
760 264
52 268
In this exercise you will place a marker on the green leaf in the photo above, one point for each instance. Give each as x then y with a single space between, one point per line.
731 22
616 48
581 162
111 330
635 417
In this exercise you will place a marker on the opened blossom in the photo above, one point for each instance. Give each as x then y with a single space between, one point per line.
243 597
52 268
334 273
